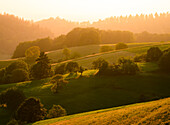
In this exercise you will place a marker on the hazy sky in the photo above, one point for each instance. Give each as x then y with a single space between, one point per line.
81 10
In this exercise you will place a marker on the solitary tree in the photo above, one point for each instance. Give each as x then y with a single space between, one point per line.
30 110
42 68
153 54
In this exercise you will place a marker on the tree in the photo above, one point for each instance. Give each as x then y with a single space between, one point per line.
31 110
32 53
100 64
42 68
66 53
60 69
58 84
106 48
12 97
19 75
72 67
127 66
153 54
121 46
164 62
56 111
16 65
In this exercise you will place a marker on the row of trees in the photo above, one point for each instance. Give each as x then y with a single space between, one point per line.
27 110
88 36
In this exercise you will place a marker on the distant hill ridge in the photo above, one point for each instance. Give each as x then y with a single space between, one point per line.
152 23
14 30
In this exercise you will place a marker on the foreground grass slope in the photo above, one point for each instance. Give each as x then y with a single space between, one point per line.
155 113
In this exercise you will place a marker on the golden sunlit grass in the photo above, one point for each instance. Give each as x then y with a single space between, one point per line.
155 113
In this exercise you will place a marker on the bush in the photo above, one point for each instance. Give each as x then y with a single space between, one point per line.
121 46
127 66
106 48
140 58
12 97
56 111
153 54
60 69
164 62
31 110
19 75
58 85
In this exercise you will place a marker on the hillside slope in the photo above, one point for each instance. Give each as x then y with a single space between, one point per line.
152 113
14 30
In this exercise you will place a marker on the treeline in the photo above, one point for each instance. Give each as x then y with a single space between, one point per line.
153 23
14 30
88 36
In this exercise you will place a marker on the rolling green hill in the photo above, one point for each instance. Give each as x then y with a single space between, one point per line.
154 112
86 93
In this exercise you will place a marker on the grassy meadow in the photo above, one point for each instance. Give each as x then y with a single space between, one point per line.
86 93
89 93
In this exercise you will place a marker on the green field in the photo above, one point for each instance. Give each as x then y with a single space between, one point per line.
92 93
155 112
89 93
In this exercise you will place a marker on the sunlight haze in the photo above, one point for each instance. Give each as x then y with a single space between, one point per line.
81 10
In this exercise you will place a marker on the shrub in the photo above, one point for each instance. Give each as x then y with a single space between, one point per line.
31 110
81 70
153 54
56 111
106 48
140 58
164 62
58 85
121 46
127 66
42 68
19 75
60 69
12 97
72 67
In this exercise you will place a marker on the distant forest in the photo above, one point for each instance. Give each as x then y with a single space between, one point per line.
138 23
14 30
88 36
